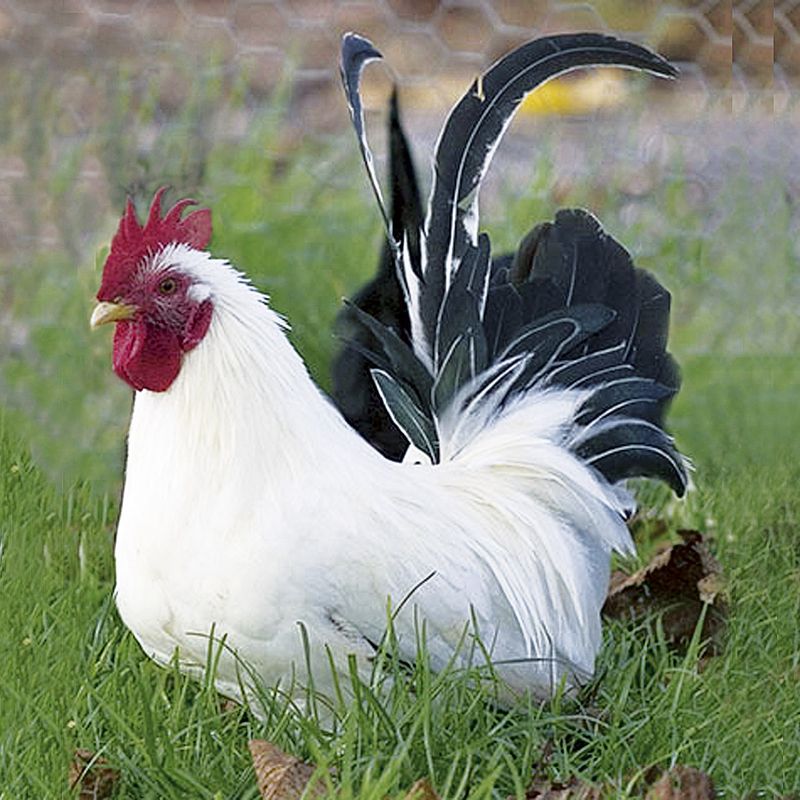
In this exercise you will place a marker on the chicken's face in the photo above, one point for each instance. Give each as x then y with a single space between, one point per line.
161 309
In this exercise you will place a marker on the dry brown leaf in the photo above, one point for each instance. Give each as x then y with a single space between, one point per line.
679 581
279 775
91 776
678 783
573 789
421 790
682 783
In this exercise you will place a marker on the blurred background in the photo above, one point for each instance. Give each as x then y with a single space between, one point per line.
238 103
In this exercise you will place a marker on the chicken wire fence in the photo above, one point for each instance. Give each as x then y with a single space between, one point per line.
238 102
203 69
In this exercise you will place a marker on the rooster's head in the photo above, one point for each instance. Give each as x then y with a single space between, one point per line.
161 309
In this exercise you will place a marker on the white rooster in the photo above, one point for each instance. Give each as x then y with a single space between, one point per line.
252 507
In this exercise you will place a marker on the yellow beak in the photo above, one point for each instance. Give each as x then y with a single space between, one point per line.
110 312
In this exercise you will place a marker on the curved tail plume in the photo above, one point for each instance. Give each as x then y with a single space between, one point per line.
475 336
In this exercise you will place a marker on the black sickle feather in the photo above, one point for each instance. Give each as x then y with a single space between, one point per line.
406 208
634 448
589 369
464 305
381 300
546 344
405 365
503 317
570 262
357 52
414 421
473 130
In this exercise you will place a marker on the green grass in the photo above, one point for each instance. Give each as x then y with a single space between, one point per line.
73 677
305 230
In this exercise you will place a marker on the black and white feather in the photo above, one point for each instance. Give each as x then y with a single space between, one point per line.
572 312
380 302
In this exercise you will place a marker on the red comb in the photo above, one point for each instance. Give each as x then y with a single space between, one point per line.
133 241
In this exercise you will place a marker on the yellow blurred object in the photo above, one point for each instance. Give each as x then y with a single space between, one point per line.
580 93
592 91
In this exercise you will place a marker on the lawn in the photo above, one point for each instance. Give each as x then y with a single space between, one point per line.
73 677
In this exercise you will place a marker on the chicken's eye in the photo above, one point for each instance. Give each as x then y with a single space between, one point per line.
168 286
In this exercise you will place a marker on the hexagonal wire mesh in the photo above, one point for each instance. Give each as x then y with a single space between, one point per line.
76 65
105 97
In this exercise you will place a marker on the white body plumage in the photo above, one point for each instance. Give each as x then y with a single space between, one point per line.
250 505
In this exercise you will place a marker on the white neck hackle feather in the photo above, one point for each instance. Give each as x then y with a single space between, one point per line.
250 504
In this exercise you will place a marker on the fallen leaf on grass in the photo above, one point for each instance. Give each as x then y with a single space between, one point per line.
279 775
421 790
680 581
541 788
678 783
573 789
682 783
91 776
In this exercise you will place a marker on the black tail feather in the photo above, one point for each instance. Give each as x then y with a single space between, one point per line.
406 202
476 124
573 261
570 310
381 299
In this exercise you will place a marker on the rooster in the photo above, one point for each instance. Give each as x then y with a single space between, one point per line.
527 395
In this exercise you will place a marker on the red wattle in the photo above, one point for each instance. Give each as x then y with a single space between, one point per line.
146 356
